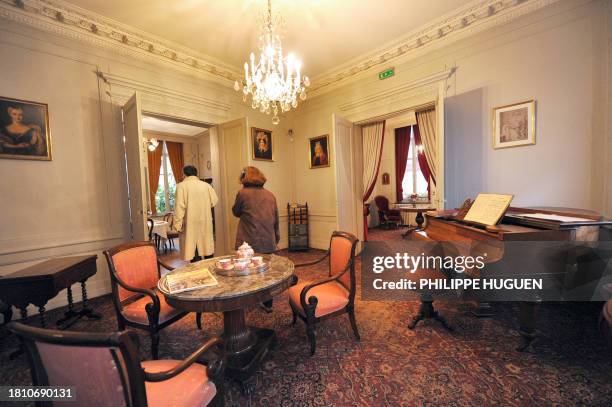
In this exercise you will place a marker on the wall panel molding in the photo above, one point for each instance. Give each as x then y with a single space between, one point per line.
166 101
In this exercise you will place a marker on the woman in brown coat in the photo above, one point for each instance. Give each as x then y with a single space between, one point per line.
258 213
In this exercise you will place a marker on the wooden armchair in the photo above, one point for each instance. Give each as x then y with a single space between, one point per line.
171 234
135 270
105 370
317 300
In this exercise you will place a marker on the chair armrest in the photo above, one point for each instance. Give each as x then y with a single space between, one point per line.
183 365
312 263
145 291
165 265
320 282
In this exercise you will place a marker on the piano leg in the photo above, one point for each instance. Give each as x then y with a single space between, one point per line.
527 324
483 309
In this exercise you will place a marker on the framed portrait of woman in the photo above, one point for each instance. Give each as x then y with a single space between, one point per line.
514 125
24 130
263 145
319 151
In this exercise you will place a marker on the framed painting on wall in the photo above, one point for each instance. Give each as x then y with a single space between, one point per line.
319 151
514 125
263 145
24 130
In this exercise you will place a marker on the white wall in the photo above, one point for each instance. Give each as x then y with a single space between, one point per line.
555 55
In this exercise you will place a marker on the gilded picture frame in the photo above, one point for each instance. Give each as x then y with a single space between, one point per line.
262 144
318 152
514 125
24 130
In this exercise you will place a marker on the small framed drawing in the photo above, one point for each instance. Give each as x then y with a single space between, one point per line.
263 145
24 130
318 152
514 125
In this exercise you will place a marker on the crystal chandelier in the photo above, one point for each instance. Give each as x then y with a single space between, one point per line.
275 81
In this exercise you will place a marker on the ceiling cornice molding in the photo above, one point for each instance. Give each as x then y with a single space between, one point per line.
70 21
476 17
83 25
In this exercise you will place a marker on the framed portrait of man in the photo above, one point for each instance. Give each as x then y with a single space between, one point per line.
24 130
514 125
319 151
263 144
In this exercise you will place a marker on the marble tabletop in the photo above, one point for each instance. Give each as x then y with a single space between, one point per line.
281 269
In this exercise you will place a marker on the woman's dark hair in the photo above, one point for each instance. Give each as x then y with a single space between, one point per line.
190 170
252 176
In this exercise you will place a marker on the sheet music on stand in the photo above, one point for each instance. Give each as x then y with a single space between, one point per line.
488 209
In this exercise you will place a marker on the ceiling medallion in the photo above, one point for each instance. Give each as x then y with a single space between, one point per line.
274 83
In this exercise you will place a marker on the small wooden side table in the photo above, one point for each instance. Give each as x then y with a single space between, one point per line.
39 283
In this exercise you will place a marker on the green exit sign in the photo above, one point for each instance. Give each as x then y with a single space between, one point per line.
387 73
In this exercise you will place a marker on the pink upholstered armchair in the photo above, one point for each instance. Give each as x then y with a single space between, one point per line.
315 300
135 270
105 370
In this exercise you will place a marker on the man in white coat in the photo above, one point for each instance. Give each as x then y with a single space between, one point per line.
193 216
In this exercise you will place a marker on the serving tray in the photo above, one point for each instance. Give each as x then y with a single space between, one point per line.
244 272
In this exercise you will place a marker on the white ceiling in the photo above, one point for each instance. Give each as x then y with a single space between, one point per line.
164 126
322 33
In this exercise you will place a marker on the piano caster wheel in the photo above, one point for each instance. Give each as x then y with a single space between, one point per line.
527 341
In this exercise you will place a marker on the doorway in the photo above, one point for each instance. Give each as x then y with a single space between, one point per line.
349 149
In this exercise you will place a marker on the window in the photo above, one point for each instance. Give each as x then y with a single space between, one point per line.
413 182
166 187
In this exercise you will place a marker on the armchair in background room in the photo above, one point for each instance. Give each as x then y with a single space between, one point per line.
387 216
135 270
316 300
105 370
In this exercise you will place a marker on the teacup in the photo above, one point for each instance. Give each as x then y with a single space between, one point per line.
257 260
240 264
225 264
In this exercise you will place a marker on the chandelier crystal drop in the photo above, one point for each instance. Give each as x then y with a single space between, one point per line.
274 81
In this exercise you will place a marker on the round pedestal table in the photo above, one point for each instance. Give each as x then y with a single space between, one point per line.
245 346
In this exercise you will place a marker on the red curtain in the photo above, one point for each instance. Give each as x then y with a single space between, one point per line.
422 159
154 160
402 145
371 187
175 155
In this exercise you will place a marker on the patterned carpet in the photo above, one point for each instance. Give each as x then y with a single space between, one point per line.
393 366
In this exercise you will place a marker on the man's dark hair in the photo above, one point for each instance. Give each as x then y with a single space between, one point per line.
190 170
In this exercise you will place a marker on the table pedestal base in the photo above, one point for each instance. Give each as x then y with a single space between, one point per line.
245 347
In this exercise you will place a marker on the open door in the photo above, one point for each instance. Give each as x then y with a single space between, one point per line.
137 168
233 141
347 193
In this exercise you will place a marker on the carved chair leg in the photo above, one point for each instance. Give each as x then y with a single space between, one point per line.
155 345
294 319
311 337
351 314
120 324
199 320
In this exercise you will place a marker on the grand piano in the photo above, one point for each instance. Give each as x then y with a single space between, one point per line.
565 249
